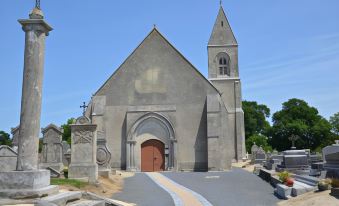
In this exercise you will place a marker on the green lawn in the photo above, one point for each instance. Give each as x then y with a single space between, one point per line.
76 183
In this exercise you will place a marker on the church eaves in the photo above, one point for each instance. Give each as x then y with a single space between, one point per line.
222 34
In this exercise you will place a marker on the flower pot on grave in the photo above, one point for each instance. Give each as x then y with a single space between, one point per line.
289 182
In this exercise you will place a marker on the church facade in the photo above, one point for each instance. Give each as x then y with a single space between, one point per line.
158 112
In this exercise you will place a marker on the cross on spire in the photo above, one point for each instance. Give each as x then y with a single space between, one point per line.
220 2
37 4
83 106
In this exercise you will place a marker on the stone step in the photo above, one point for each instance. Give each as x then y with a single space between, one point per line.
313 181
87 203
61 199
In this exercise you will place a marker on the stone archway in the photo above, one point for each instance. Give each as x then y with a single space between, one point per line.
150 126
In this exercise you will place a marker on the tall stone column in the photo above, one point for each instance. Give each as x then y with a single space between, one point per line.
28 181
36 30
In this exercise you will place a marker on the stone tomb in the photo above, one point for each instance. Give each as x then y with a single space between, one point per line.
8 159
294 161
83 151
273 161
331 159
316 168
52 148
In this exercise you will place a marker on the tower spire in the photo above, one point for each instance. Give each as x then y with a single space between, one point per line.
222 33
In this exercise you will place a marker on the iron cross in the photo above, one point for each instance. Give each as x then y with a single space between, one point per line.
83 106
37 4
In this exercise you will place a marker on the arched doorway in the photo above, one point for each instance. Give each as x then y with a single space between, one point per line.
151 126
152 156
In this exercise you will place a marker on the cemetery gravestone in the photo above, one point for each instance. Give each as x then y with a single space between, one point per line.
331 158
260 156
254 150
83 151
103 155
15 137
8 158
65 149
52 148
273 161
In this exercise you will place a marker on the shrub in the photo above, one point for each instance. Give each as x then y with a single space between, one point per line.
324 184
335 183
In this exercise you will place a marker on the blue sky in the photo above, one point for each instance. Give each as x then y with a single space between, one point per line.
287 48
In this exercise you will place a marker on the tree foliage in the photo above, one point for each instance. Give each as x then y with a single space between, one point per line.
66 136
334 121
40 145
255 118
298 118
5 139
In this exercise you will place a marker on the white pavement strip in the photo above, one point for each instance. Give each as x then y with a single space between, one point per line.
177 200
175 197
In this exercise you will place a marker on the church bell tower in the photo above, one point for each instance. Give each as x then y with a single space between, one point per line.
223 72
222 49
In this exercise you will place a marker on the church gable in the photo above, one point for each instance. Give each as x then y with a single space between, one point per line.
156 71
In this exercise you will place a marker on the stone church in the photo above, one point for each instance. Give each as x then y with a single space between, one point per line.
158 112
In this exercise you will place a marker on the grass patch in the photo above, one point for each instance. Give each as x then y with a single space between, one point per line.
71 182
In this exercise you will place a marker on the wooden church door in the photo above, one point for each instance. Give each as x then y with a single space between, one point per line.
152 156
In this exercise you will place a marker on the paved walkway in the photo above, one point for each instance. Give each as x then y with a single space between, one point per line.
180 194
237 187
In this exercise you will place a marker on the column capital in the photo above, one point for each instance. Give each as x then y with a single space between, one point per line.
131 141
39 25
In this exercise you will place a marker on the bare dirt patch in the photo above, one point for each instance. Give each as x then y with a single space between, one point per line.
312 198
244 165
106 187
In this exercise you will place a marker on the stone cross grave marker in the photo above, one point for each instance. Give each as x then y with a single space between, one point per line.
83 151
293 138
8 158
52 148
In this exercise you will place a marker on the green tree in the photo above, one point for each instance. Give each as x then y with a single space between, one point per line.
66 136
298 118
5 139
255 118
259 140
334 121
40 145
